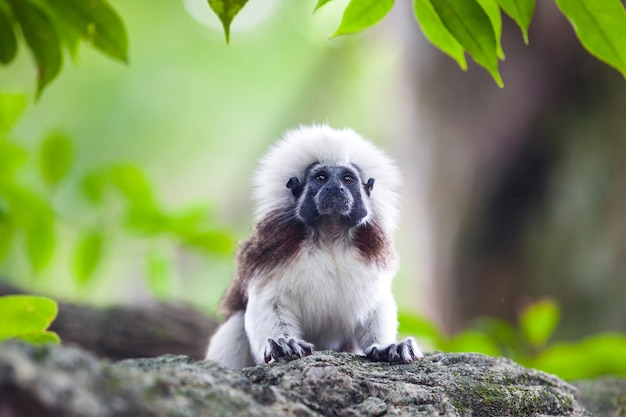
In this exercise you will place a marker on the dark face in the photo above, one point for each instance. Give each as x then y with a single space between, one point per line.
331 194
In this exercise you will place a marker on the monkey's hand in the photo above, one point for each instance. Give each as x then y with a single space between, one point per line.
290 349
406 351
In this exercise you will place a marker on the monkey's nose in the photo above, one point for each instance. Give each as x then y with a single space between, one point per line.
335 190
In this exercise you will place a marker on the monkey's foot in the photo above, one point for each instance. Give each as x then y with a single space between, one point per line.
406 351
290 349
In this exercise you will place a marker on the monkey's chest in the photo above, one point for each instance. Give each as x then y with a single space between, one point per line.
331 294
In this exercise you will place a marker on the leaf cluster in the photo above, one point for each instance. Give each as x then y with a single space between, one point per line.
122 206
528 343
457 27
50 26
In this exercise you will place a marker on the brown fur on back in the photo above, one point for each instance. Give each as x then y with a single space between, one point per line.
274 241
374 244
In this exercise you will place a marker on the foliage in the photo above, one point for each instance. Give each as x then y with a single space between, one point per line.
475 26
362 14
26 317
528 343
227 10
600 26
48 26
453 26
120 200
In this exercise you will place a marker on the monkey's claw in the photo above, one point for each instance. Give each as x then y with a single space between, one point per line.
406 351
283 348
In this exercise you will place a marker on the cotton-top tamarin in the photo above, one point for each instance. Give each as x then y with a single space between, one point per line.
316 271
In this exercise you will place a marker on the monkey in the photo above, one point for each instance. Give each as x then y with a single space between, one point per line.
316 271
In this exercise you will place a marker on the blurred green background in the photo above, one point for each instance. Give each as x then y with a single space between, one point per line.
193 114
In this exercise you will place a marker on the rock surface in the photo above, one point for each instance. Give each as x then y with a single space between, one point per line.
605 397
65 381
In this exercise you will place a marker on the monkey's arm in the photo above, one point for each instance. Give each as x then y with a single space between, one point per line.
272 329
377 336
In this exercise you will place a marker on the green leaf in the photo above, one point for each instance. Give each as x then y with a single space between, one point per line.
414 325
188 221
12 106
361 14
601 28
493 12
538 322
319 4
143 213
40 243
470 25
11 158
211 241
472 341
55 158
87 255
71 40
160 275
226 10
27 317
128 179
92 186
146 218
501 332
435 31
27 208
40 338
132 183
97 22
42 39
7 232
33 215
521 11
8 46
595 356
69 37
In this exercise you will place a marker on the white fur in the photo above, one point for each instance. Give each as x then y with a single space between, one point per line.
237 355
326 296
306 145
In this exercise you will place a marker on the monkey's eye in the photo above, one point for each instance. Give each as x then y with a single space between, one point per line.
321 178
348 179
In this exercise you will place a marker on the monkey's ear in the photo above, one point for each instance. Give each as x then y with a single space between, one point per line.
369 186
294 185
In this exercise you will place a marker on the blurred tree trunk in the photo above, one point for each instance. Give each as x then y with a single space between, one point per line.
138 331
528 183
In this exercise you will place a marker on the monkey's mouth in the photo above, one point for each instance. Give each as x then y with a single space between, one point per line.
334 205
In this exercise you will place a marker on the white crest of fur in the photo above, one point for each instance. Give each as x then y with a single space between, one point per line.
301 147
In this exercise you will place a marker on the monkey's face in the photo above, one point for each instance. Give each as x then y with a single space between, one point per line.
330 194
